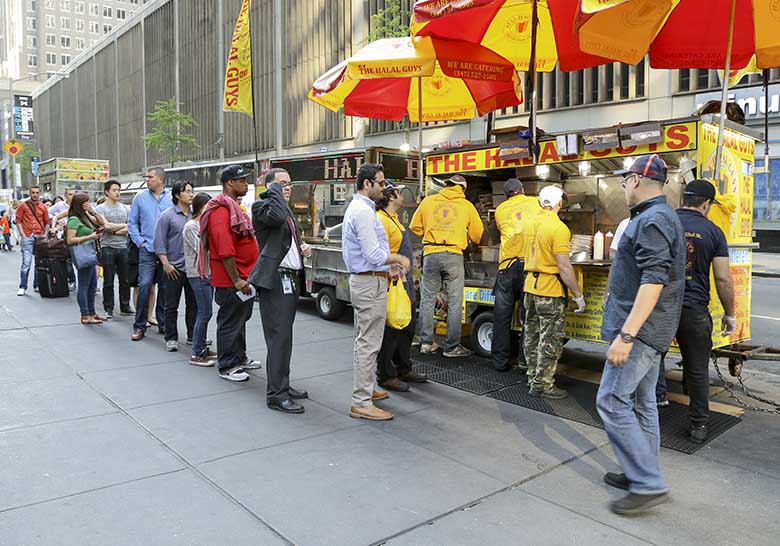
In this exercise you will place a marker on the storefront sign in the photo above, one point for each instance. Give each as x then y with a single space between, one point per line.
321 168
677 137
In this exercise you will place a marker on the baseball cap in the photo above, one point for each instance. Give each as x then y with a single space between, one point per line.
390 187
513 185
234 172
458 180
551 196
649 166
700 188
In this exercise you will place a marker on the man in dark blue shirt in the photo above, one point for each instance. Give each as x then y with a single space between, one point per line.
640 319
706 246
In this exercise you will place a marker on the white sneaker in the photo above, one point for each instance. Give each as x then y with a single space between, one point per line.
235 375
35 289
72 286
250 364
171 345
21 292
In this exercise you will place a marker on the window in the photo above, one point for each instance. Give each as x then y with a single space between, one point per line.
79 44
65 59
31 23
65 42
32 42
51 58
65 5
107 12
121 14
51 21
80 25
94 10
79 8
48 4
65 23
107 29
94 28
31 5
32 60
51 40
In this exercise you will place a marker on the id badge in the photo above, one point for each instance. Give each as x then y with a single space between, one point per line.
287 286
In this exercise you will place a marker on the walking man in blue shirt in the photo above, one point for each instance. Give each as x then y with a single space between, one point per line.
370 263
641 313
147 207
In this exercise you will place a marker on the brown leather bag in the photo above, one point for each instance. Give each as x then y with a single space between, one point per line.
48 245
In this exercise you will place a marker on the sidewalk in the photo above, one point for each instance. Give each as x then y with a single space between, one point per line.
109 442
766 264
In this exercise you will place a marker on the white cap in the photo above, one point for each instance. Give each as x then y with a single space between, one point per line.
550 196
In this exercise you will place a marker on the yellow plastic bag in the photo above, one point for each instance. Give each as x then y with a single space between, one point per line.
399 306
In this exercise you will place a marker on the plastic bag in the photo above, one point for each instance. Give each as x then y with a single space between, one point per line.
399 306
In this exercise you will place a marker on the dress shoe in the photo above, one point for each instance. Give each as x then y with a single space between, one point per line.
379 395
634 504
372 413
138 335
295 394
413 377
698 434
285 406
614 479
394 384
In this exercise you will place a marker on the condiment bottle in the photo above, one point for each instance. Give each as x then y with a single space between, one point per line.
598 246
608 238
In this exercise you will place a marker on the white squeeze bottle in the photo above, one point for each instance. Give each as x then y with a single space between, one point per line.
608 238
598 246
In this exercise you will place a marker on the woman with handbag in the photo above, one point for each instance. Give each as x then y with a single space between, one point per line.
83 232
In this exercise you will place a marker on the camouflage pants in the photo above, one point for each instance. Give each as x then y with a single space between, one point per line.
543 338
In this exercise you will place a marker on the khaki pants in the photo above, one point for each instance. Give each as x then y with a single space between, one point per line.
369 300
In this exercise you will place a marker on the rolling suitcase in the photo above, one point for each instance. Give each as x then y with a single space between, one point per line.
52 277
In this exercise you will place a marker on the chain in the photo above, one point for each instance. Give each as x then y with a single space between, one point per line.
775 410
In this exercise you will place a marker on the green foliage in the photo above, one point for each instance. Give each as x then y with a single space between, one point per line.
24 157
390 22
168 137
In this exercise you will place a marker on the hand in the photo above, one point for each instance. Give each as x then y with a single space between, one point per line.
580 301
88 207
93 236
618 352
404 263
171 271
243 286
729 325
306 250
397 272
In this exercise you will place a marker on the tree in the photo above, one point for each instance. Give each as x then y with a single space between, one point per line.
24 158
390 22
168 137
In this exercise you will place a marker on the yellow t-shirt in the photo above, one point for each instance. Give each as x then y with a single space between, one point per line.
546 237
511 217
446 222
394 229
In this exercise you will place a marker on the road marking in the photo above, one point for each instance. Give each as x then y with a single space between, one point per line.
765 318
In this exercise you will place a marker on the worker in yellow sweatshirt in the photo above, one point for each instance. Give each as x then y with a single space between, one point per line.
446 221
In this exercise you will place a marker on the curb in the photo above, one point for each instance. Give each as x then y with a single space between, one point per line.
766 274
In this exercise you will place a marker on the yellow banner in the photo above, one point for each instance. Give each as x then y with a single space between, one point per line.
238 76
677 138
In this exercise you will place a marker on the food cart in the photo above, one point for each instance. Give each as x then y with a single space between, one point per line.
583 164
86 175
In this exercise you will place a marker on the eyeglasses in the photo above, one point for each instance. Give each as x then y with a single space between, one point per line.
382 183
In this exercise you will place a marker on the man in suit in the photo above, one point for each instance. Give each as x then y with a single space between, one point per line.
277 276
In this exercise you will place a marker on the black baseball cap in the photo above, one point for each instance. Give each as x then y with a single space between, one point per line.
234 172
513 186
649 166
700 188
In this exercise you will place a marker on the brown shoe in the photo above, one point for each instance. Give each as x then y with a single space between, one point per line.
379 395
394 384
372 413
138 335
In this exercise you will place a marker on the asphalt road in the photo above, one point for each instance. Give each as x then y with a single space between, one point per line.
765 319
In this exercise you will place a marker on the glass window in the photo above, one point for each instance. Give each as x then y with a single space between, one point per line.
51 39
80 8
48 4
31 5
107 29
51 58
65 59
121 14
79 44
31 23
80 25
65 5
65 22
65 42
107 12
32 60
94 10
32 42
51 21
94 28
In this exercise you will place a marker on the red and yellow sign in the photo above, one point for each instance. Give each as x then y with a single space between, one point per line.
238 75
677 137
13 147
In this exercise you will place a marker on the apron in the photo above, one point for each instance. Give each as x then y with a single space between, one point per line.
406 250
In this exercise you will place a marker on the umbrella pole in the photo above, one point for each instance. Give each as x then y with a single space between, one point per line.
420 162
724 96
532 81
767 170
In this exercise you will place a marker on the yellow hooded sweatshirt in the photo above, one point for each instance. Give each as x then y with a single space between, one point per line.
446 221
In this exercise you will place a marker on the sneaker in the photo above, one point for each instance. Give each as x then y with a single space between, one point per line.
429 348
128 311
109 313
35 289
250 364
662 403
236 374
210 354
201 361
21 292
698 434
522 365
372 413
553 393
457 352
171 345
72 285
189 341
634 504
614 479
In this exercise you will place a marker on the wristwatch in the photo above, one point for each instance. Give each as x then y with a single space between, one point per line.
627 338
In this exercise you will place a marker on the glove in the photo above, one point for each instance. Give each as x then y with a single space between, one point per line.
581 304
729 325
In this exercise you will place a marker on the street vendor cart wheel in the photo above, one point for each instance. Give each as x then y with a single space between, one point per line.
482 334
328 306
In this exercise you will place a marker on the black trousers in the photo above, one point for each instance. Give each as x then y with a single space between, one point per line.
115 264
694 336
173 290
277 311
232 317
394 357
507 290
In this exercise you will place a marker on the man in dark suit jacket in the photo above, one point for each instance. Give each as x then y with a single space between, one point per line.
276 276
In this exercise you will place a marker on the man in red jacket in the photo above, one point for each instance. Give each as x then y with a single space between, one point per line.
32 217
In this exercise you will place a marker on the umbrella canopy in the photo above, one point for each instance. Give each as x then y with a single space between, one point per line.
504 27
681 33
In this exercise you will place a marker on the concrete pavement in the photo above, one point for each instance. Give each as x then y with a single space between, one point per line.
766 264
106 441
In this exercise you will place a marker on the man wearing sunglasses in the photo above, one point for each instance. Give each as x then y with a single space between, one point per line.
640 319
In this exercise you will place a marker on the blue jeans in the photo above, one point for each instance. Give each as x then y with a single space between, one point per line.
661 390
27 244
626 404
87 287
204 298
149 268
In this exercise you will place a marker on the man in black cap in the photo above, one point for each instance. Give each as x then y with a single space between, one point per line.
706 247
